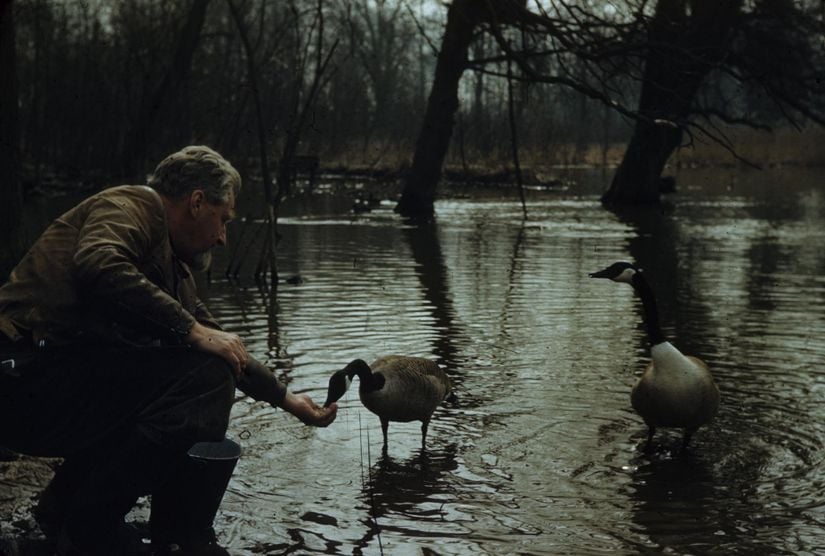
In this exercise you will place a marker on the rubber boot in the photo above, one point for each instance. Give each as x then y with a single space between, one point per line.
55 500
94 522
184 508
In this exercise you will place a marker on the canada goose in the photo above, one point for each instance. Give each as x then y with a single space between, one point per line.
396 388
675 390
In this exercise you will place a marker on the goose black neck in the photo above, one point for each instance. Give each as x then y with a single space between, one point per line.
651 313
359 368
369 381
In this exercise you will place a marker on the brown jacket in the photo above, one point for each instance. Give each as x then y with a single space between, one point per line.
104 272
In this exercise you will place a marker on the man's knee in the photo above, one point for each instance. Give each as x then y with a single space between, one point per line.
214 376
214 392
196 407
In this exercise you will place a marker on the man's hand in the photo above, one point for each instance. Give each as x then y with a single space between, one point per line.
224 344
310 413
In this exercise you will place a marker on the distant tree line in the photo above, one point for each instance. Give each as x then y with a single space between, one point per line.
98 90
675 69
106 87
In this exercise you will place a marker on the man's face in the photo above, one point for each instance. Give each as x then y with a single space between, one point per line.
206 229
212 222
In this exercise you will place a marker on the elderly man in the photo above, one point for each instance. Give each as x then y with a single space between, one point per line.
111 361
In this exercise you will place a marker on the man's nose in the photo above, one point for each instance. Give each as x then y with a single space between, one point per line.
221 239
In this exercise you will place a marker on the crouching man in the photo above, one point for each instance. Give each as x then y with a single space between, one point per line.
110 360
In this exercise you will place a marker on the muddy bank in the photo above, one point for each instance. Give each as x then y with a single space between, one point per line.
22 478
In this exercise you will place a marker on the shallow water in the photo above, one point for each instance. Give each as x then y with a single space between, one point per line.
542 452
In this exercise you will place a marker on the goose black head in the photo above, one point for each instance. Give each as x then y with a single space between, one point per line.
340 381
618 272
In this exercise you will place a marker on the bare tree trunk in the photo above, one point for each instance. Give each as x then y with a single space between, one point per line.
463 18
163 98
11 197
671 81
434 139
636 181
511 112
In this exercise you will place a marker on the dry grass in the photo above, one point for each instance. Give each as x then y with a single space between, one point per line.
783 147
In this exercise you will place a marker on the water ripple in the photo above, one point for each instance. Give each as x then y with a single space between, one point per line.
541 454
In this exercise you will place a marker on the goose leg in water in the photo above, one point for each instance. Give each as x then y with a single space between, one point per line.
650 432
385 423
424 424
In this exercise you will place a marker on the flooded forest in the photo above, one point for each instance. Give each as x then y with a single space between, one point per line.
440 180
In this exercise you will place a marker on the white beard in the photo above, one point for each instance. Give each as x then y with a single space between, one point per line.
201 262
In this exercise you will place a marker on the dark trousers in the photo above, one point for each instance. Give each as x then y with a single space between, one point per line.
67 401
122 418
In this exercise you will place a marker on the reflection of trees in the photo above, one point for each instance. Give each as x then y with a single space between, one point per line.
653 248
766 256
684 505
432 271
277 353
513 274
667 258
777 321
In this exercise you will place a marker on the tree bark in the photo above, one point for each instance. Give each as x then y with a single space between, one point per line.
168 91
418 195
682 50
636 180
11 196
463 19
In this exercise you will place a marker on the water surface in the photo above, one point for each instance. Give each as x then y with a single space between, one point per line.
542 452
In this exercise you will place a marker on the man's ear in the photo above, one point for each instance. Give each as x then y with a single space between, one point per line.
196 201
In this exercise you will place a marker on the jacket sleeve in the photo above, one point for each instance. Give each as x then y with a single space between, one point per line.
110 244
261 384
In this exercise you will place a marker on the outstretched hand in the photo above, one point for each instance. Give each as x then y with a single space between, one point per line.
310 413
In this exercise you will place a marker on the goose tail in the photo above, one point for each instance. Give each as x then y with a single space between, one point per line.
451 397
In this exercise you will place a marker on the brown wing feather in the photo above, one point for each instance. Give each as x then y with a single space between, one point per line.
413 389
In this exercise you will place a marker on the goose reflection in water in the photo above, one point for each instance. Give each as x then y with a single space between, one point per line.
414 491
670 502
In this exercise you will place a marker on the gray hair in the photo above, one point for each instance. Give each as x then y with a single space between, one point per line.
196 167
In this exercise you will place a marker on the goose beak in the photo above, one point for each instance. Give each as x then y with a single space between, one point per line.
338 385
600 274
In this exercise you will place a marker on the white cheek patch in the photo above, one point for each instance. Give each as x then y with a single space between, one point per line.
626 276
